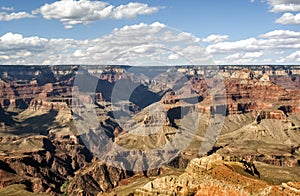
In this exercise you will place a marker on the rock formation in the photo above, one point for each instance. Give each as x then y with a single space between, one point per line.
211 175
246 118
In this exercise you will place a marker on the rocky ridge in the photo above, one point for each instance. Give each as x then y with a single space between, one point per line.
212 175
39 126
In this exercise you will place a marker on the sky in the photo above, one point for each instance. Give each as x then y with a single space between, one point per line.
162 32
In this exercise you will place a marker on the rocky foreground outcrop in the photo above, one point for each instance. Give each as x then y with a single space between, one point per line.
212 176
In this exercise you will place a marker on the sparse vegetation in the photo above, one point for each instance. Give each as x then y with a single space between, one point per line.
64 187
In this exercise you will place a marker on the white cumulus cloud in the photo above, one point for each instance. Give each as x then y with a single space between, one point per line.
252 54
131 10
14 16
215 38
15 49
281 34
274 40
233 56
7 8
241 58
173 56
271 45
135 45
143 43
288 7
284 5
11 41
292 58
289 18
223 47
73 12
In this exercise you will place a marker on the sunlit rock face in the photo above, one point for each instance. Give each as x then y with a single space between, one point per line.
49 145
213 175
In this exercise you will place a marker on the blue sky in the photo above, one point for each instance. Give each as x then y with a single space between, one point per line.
229 31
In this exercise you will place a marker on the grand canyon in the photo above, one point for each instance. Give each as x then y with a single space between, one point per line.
157 130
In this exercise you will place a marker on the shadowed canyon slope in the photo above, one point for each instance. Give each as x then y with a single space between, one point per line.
186 130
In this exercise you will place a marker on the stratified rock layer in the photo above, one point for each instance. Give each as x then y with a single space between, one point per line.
250 112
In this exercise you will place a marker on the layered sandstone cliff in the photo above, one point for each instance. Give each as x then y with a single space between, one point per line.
48 146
